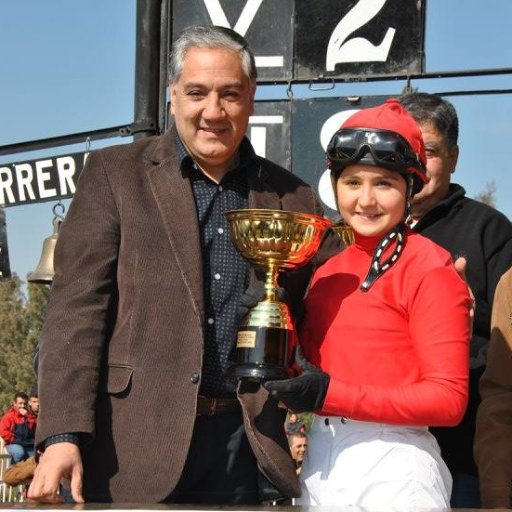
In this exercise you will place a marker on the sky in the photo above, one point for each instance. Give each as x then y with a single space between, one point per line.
67 66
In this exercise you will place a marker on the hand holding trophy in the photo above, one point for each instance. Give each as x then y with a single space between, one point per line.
273 240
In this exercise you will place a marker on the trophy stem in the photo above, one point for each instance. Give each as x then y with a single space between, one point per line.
271 283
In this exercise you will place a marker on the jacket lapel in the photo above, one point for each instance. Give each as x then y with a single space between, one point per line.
175 201
261 192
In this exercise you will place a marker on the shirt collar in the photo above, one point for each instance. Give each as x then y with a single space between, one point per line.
247 154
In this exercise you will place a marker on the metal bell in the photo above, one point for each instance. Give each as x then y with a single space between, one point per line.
44 272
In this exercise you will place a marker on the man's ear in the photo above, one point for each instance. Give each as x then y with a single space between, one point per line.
453 154
252 95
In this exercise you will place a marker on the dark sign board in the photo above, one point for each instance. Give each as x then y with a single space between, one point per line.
340 38
266 24
322 39
357 38
40 180
314 123
270 131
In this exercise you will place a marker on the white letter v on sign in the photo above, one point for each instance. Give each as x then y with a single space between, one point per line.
218 16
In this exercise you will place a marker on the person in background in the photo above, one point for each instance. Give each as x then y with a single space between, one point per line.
483 236
144 305
33 402
298 442
385 333
493 438
294 424
20 473
17 428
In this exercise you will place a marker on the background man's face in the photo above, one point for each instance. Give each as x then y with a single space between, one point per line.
441 162
298 448
33 403
20 403
212 102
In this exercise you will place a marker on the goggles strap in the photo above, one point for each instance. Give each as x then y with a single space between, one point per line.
408 202
377 268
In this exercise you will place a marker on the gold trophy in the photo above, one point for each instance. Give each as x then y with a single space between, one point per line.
273 240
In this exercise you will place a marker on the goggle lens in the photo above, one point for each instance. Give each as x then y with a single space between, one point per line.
387 148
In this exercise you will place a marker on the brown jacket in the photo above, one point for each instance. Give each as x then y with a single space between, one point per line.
493 439
121 347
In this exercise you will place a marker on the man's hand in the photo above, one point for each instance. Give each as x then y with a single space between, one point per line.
305 392
460 265
59 460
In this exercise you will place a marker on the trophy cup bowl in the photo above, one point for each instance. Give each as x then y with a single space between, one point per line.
273 240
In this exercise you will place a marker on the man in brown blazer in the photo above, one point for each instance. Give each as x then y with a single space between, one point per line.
493 438
143 309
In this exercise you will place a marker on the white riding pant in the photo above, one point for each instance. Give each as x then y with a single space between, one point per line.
373 465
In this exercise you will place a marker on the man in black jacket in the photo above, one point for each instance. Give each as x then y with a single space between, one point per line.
483 236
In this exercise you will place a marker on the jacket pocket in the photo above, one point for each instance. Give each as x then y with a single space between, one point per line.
117 379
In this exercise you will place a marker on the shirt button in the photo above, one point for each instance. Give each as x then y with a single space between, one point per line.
221 188
194 378
211 321
220 231
216 276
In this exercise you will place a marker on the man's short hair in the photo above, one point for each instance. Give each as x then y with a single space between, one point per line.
210 36
430 108
292 436
20 394
34 391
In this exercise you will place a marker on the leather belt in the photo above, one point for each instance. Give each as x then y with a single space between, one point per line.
208 406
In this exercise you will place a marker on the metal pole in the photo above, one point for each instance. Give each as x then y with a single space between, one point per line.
147 67
165 38
5 268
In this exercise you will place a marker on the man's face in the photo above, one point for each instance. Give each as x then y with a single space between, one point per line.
441 162
20 403
33 403
298 448
212 102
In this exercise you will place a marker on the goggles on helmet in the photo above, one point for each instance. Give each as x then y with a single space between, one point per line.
389 149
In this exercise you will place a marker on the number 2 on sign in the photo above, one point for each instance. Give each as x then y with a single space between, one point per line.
357 49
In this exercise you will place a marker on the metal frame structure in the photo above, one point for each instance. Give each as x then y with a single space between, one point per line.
153 33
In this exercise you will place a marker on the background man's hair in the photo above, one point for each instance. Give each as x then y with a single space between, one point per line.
296 434
20 394
430 108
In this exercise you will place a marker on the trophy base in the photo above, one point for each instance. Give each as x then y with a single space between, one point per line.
256 372
262 353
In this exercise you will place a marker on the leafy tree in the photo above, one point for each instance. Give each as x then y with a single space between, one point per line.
488 195
20 324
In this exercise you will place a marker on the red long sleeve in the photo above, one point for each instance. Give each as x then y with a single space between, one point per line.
6 424
399 352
